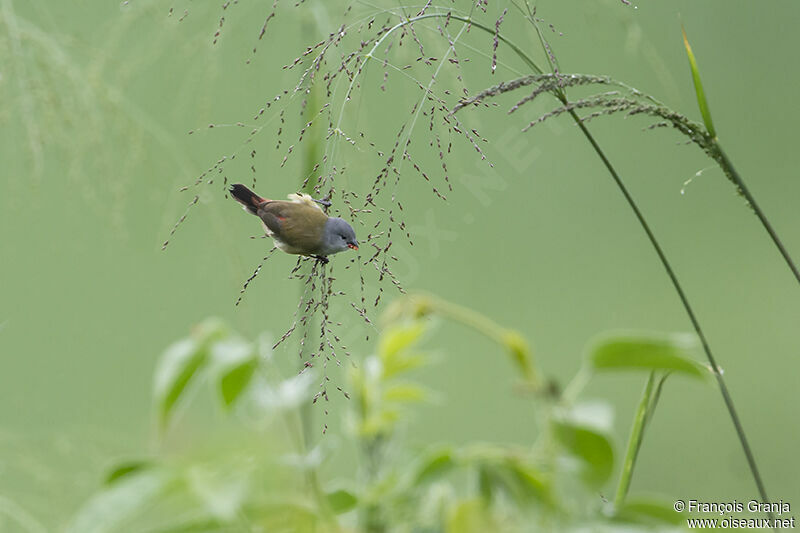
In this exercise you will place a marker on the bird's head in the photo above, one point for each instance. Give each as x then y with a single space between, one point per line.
338 236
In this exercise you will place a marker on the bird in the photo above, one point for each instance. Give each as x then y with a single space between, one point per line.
298 226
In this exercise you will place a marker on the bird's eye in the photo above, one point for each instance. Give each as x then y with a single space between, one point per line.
343 237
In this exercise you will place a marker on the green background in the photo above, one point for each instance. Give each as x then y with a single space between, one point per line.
96 100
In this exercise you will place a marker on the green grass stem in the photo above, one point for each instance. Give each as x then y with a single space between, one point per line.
561 96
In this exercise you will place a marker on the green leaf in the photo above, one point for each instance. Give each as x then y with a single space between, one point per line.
342 500
394 344
181 363
107 510
379 423
126 468
289 513
648 353
221 488
400 337
236 380
529 482
649 512
236 362
195 525
486 483
594 414
285 395
698 87
471 516
178 366
435 465
404 393
401 363
505 470
590 446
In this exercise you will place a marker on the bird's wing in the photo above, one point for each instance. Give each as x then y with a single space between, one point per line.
297 224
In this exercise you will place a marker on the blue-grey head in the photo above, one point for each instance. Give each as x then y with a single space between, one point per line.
337 236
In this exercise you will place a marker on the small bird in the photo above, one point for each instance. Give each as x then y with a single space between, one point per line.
298 226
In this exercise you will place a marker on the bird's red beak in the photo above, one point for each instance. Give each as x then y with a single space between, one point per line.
352 246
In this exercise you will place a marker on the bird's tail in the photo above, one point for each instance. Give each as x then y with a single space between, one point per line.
250 200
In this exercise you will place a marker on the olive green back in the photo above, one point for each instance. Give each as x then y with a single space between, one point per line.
299 225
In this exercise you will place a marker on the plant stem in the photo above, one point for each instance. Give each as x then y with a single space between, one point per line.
559 94
311 155
634 442
305 413
468 20
372 518
512 341
726 397
739 182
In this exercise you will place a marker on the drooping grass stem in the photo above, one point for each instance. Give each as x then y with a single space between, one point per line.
762 217
715 151
726 397
468 20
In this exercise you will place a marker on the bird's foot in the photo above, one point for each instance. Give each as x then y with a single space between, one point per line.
323 202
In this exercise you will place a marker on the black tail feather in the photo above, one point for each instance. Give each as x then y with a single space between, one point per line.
246 197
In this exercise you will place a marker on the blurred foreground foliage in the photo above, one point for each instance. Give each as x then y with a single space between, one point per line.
269 480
